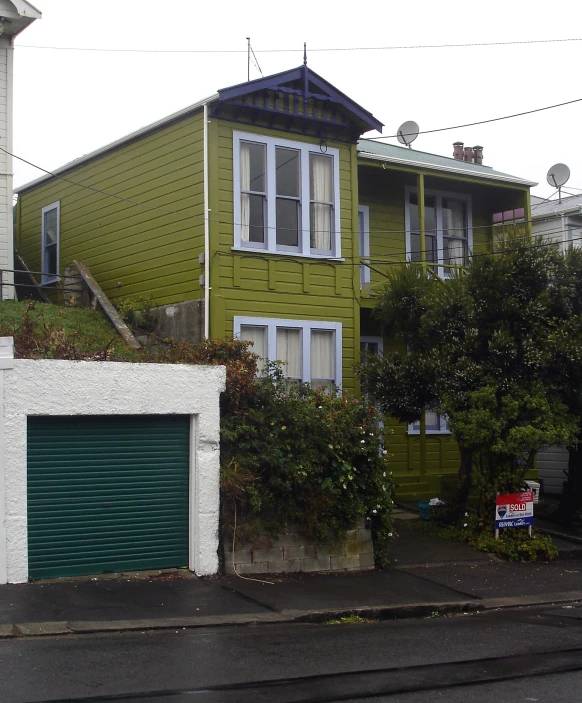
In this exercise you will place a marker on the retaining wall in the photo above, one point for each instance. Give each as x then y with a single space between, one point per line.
293 553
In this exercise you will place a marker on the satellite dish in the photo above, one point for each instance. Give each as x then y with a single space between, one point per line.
558 175
407 133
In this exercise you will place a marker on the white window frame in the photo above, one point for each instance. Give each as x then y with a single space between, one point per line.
364 244
367 339
443 271
270 245
306 327
46 279
414 428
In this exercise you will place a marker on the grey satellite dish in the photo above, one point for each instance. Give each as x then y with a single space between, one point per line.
407 133
558 176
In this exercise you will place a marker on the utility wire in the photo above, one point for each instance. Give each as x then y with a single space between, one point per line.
185 214
288 51
234 224
472 124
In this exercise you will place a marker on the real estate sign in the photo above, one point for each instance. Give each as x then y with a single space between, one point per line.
514 510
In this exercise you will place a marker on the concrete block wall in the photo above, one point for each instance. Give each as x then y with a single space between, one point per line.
293 553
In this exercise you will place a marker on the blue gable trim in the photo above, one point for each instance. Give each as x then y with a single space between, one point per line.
326 92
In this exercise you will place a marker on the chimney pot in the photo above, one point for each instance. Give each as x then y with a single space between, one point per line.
458 151
468 154
478 154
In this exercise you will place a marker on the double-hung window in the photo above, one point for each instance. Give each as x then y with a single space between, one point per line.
435 424
447 226
309 352
286 196
364 236
50 236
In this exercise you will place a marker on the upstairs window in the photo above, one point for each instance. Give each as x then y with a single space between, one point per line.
286 196
50 242
447 227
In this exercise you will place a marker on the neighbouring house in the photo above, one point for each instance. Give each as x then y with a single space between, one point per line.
560 221
261 212
15 16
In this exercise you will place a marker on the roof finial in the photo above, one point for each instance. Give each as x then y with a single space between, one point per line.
305 53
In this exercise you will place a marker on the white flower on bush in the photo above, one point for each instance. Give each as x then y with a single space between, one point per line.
374 511
362 441
390 534
385 452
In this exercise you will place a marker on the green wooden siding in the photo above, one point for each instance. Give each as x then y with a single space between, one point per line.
142 249
107 494
151 251
383 191
275 285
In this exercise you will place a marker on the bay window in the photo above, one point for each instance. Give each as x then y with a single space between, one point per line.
286 196
447 227
309 352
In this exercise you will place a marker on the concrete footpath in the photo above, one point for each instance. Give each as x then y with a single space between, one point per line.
427 576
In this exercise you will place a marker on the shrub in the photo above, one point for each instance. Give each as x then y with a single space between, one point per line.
293 455
513 544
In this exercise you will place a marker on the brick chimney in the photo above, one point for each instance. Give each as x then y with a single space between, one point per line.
468 154
478 154
458 151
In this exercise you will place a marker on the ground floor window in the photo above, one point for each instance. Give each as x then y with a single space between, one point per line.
309 352
435 424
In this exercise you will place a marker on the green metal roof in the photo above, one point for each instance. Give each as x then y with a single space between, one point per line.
389 153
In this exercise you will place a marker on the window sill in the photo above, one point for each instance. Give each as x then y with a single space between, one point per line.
415 433
288 254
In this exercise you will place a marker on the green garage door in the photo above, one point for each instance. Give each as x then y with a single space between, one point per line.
107 494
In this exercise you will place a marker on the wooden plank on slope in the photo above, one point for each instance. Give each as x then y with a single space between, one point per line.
107 305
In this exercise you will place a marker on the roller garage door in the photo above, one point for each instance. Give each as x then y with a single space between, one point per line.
107 494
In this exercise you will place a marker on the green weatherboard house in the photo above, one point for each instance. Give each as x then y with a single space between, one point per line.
260 212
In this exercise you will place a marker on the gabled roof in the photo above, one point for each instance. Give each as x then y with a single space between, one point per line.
304 83
19 14
389 153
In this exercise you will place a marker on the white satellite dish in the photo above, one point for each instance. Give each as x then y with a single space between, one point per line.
407 133
558 176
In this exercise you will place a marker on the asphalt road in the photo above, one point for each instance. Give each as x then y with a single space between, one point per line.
520 655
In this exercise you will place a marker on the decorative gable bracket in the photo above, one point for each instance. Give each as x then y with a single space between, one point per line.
298 101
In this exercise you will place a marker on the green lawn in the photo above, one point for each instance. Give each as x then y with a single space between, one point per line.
54 331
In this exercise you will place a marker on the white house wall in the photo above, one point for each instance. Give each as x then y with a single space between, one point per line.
6 235
47 387
552 464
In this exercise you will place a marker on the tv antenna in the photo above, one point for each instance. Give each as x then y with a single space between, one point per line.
407 133
558 176
252 60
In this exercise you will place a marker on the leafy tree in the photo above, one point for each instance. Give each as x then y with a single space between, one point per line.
479 348
566 372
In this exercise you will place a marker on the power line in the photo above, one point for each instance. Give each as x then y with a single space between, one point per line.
472 124
283 51
185 214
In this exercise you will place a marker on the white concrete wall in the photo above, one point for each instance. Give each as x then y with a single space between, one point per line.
46 387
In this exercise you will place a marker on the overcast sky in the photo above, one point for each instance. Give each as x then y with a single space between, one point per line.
68 103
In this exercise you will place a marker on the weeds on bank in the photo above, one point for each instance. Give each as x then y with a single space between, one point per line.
350 620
